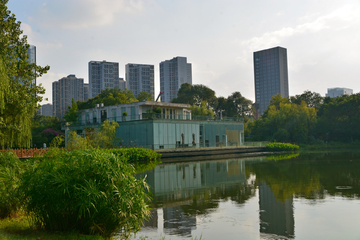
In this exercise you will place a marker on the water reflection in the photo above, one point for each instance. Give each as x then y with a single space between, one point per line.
186 194
185 191
276 218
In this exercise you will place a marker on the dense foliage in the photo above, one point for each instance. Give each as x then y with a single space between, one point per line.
108 97
44 129
105 138
10 171
91 191
141 158
277 146
338 119
204 102
19 97
284 122
309 118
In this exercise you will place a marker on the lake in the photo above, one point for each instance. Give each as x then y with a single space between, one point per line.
293 196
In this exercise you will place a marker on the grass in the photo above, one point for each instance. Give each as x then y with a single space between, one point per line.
330 146
21 228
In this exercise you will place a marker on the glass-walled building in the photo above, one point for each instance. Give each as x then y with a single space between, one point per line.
271 76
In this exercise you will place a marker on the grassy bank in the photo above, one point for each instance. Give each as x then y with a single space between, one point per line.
20 228
330 146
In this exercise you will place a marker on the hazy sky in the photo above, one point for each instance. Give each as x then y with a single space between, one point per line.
218 37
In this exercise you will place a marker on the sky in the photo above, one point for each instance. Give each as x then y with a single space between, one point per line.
218 37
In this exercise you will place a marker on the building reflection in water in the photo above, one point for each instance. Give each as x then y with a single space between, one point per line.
276 218
186 190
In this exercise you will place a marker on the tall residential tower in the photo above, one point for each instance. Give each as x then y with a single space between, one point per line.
139 78
102 75
271 76
64 90
173 73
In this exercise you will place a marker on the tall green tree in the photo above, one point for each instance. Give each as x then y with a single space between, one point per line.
195 94
19 97
239 106
72 113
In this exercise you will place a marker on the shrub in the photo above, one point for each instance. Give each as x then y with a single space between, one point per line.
276 146
10 170
90 191
142 158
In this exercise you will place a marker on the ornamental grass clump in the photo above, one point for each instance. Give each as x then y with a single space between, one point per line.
277 146
89 191
10 171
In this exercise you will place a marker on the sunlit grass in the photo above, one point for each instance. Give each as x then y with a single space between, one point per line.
21 228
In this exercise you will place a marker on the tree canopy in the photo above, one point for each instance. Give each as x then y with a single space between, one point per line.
19 97
285 122
144 96
112 96
195 94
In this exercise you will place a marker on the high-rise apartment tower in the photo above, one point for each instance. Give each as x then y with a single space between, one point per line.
139 78
173 73
271 76
64 90
337 92
102 75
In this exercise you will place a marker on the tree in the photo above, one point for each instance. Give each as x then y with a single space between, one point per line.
312 99
338 119
239 106
72 113
145 96
106 137
283 121
195 94
19 97
184 94
112 96
44 129
202 110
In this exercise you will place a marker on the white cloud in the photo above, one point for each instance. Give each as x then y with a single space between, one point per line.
340 18
84 14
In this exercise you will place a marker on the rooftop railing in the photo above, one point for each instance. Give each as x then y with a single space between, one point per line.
156 116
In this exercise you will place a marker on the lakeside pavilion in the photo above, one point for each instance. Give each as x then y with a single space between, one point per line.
171 127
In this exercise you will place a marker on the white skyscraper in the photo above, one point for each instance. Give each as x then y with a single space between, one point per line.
102 75
139 78
173 73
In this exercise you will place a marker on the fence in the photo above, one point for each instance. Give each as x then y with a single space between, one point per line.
205 145
145 116
30 152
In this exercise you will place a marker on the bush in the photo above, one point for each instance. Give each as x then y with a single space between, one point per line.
276 146
142 158
90 191
10 171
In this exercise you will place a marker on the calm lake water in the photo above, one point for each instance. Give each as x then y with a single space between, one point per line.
296 196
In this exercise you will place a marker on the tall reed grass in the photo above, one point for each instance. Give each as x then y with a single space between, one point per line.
10 171
90 191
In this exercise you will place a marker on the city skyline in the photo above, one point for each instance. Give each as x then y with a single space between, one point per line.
218 38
